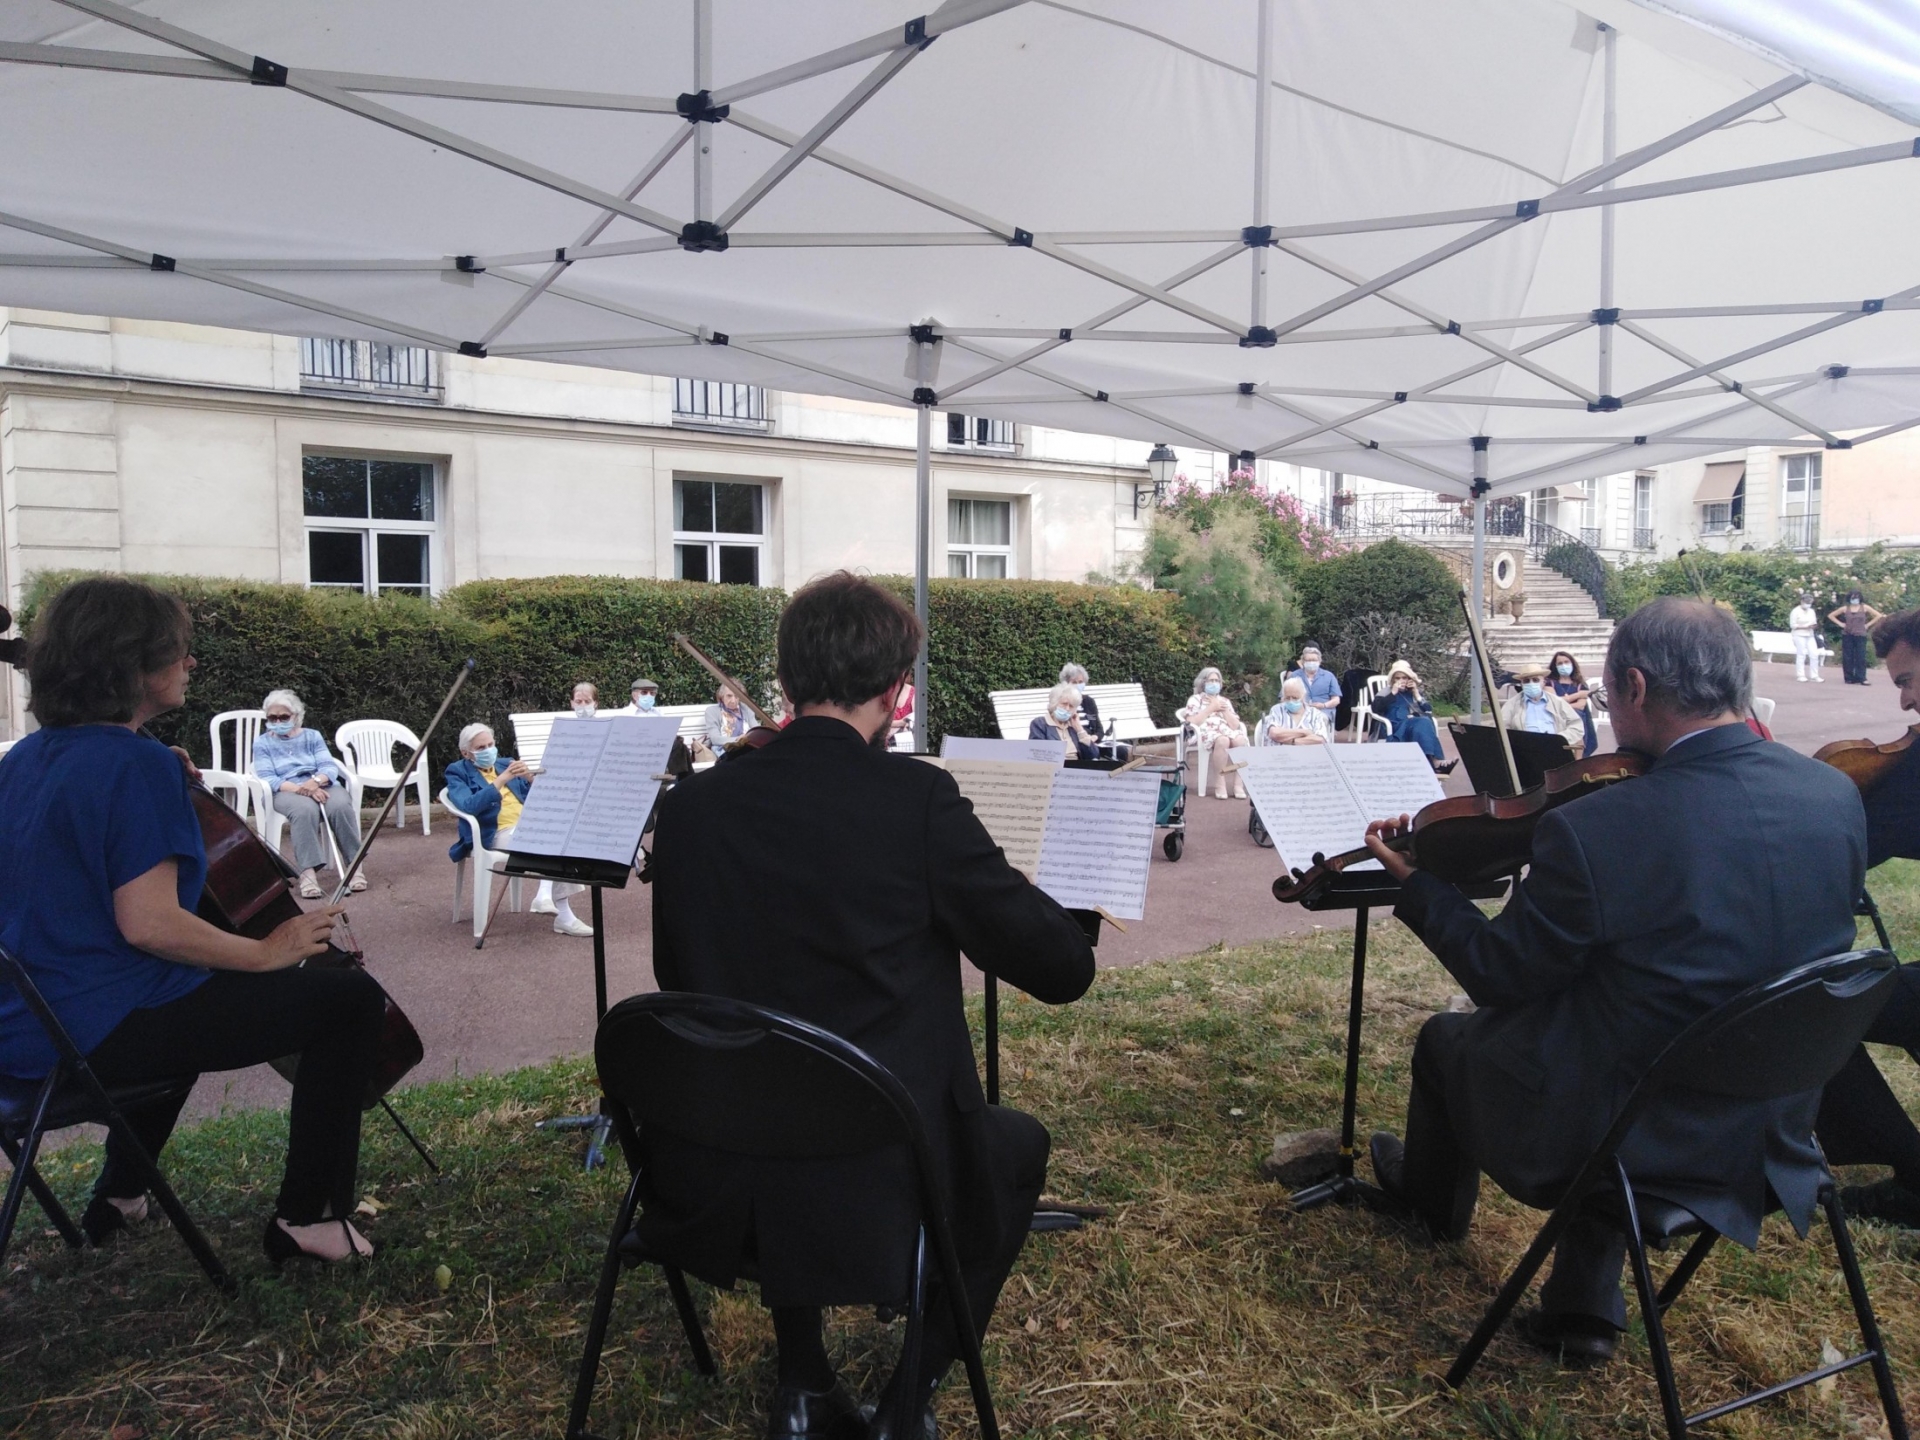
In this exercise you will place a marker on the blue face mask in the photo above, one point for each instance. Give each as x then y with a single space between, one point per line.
487 758
1293 707
645 702
280 727
1564 668
1213 687
1531 689
1062 714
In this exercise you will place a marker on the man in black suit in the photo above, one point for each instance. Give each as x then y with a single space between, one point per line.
822 876
1647 904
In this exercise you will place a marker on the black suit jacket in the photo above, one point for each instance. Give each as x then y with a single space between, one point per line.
1647 904
840 884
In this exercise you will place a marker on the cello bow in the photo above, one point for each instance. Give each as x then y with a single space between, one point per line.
760 716
1485 662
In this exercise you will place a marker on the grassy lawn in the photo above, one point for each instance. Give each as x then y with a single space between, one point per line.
1201 1307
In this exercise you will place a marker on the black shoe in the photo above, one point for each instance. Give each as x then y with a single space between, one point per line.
282 1247
1444 767
796 1414
1576 1339
1886 1200
881 1428
102 1220
1389 1158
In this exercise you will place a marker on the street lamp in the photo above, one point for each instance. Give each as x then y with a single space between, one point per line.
1161 463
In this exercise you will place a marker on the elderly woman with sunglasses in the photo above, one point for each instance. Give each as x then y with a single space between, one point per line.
309 788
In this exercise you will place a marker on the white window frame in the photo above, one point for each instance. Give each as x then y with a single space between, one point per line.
1643 510
714 539
369 530
970 552
1003 436
1810 481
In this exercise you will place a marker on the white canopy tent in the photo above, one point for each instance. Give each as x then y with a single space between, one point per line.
1470 245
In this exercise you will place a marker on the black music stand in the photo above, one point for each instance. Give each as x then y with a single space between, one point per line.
1533 756
1059 1216
1360 891
596 875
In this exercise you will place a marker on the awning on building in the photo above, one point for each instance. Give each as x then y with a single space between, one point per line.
1721 483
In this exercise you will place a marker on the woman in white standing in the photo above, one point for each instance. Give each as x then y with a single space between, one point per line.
1804 624
1217 728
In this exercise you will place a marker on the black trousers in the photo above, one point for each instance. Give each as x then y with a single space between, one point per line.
1861 1122
1853 659
329 1017
1443 1182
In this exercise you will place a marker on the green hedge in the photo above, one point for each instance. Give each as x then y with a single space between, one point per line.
351 658
1763 585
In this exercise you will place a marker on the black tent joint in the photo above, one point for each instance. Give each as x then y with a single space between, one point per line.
1526 210
1065 333
915 33
1021 237
1399 397
922 334
468 265
473 348
1256 235
265 72
697 105
1246 387
1260 337
700 235
719 337
160 262
1606 404
1837 372
1608 316
923 394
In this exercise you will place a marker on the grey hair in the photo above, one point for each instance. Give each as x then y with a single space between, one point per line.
1063 694
469 733
1694 656
1200 680
288 699
1293 685
1073 673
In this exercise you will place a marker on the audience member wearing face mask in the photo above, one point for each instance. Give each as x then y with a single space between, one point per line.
1062 722
1322 686
586 700
646 695
1405 709
1217 728
1292 721
492 788
1564 678
309 788
1535 708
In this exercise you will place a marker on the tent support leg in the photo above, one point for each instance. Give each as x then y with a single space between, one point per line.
1478 584
1607 155
922 537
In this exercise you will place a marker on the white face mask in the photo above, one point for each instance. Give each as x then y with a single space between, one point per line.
585 709
1310 666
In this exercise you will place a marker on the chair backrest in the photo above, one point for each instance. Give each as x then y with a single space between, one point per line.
750 1081
1015 710
1763 710
530 731
1123 708
234 786
13 973
367 746
461 817
246 729
692 718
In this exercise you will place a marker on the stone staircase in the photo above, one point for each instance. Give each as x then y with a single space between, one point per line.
1559 615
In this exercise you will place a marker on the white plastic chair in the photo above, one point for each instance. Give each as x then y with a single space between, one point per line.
271 825
487 862
1763 710
247 725
249 797
366 750
1365 719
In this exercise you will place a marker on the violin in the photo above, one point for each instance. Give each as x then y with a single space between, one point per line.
1472 839
1865 763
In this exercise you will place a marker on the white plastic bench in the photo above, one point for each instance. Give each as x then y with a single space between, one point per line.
1123 711
1780 642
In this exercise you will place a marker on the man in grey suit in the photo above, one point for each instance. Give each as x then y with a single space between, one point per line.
1646 905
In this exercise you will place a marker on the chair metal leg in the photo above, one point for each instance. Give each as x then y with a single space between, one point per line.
408 1135
906 1396
1683 1272
602 1308
1657 1353
23 1163
1863 1314
49 1202
690 1321
1511 1292
163 1192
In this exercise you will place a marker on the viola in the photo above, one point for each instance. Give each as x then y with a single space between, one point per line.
1865 763
247 893
1472 839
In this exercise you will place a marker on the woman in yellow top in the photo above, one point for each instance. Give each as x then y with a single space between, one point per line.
492 788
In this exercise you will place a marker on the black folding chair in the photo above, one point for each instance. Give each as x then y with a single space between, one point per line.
71 1094
749 1081
1785 1037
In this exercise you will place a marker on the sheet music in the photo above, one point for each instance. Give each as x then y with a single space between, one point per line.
1389 781
1098 845
1043 752
592 799
1304 800
1010 797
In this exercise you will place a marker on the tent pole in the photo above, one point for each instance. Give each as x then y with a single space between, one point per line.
922 534
1608 137
702 130
1262 123
1478 585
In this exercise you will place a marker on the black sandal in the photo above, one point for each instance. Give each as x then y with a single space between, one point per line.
102 1220
282 1247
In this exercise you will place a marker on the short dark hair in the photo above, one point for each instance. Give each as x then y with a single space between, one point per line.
93 646
1694 655
843 640
1889 630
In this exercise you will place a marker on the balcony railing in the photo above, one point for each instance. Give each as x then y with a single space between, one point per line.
1800 532
1590 535
719 403
1643 537
368 367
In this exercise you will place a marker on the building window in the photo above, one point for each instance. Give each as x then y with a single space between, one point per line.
719 403
719 529
1643 511
979 539
1586 500
370 524
977 432
367 367
1800 501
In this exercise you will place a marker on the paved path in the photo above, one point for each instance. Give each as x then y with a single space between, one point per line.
528 996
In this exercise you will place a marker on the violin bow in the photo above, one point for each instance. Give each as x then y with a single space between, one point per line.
400 785
1485 662
725 679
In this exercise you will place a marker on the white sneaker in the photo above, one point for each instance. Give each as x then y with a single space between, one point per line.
575 926
1819 679
542 907
1801 678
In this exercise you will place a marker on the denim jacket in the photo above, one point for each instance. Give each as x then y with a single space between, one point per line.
471 792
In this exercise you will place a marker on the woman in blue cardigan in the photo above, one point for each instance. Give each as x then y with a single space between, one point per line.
491 788
309 788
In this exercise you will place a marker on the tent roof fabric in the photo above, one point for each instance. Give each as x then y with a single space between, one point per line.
1352 237
1721 483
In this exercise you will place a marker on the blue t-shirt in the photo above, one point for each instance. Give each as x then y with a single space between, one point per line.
83 810
1322 685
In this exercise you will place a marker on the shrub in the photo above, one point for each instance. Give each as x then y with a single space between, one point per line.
1388 578
1763 585
1242 607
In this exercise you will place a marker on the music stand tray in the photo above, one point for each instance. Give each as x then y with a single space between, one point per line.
1533 756
596 875
1360 891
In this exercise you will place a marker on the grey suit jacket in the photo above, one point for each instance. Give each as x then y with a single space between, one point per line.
1646 905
